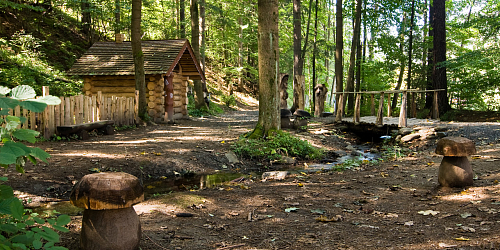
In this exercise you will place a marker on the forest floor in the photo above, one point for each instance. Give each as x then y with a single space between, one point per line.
394 204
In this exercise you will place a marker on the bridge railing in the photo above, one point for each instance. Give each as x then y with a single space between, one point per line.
379 120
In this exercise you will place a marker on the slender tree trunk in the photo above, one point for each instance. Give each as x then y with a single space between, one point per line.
269 99
339 46
430 59
182 18
401 63
86 18
297 52
352 61
313 84
357 86
195 44
439 69
140 81
412 105
117 17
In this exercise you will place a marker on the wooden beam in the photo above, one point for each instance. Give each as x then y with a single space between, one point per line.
380 113
402 112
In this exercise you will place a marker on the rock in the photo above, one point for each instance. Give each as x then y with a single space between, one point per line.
349 147
455 172
374 150
231 157
441 128
405 131
410 137
340 152
356 153
455 146
274 175
441 134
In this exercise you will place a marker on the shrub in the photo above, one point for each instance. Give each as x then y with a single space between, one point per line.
273 148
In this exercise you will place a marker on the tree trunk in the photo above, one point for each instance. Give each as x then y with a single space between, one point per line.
412 105
86 18
339 46
182 18
352 62
117 17
140 81
430 60
195 44
269 115
313 84
439 69
402 65
202 35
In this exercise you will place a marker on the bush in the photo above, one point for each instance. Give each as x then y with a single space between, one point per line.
18 230
273 148
214 109
228 100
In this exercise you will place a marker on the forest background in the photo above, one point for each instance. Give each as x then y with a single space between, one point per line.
41 39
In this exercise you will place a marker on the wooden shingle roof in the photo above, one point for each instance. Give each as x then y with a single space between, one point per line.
160 57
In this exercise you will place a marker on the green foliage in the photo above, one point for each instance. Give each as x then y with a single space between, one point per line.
228 100
449 116
124 127
214 109
19 230
274 147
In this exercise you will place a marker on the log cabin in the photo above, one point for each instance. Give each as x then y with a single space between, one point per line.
169 65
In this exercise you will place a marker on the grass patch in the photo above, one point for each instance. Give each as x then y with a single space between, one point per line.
274 147
182 200
214 109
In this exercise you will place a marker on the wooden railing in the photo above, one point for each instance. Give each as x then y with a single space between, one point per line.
77 110
380 111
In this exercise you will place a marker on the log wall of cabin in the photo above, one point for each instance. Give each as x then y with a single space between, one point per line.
124 86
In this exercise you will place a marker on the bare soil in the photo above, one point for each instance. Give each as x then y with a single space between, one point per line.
370 206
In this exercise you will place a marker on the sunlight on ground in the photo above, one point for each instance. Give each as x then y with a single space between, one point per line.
472 194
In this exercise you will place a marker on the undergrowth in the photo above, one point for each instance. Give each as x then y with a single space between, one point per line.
273 148
214 109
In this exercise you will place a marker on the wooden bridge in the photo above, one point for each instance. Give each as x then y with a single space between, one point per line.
379 120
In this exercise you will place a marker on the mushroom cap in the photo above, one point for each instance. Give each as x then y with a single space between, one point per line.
286 113
301 113
455 146
108 190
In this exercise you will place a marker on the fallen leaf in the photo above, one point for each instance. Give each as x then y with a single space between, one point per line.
427 212
409 223
150 187
465 215
291 209
323 218
300 184
446 245
223 142
158 154
468 229
384 174
317 211
143 153
462 239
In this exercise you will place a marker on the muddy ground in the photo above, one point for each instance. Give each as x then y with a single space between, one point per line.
394 204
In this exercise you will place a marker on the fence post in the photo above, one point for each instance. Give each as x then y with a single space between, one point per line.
402 112
340 108
435 108
45 117
380 113
357 109
389 107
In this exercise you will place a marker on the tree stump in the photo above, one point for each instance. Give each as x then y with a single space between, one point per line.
109 220
455 169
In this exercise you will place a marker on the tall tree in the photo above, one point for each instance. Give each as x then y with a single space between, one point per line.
339 46
182 18
86 18
117 16
352 62
439 80
140 81
313 84
195 44
412 106
269 99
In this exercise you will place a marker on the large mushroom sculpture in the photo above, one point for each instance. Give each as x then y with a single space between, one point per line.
455 169
109 220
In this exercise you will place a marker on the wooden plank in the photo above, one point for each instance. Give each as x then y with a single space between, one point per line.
402 112
26 117
33 121
136 107
57 115
380 113
99 106
72 129
71 111
151 85
115 89
340 108
62 110
17 112
45 115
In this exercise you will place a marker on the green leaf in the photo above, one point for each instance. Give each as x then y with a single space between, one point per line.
39 220
9 228
4 90
49 234
6 192
37 244
23 239
8 103
57 248
49 100
17 209
33 105
26 135
14 148
63 220
32 159
7 158
23 92
40 154
59 228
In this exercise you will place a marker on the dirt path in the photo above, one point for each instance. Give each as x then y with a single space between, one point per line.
377 206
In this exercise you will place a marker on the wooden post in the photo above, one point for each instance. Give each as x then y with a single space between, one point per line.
100 109
57 115
389 108
340 108
72 111
380 113
62 110
357 109
26 116
402 112
435 108
373 104
33 121
45 117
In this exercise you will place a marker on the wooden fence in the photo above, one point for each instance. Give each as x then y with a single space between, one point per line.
77 110
379 121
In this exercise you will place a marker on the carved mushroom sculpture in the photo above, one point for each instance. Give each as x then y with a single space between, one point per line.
109 220
455 169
